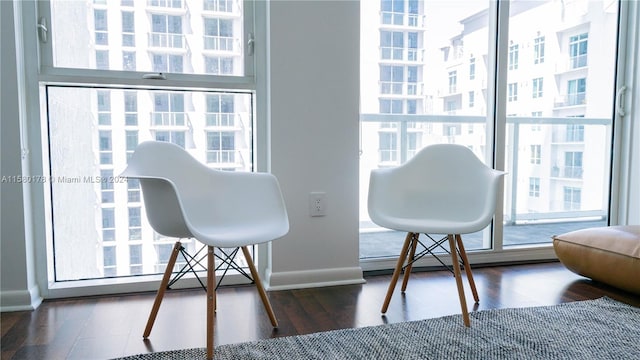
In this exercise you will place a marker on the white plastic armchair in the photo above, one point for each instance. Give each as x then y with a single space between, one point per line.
184 198
443 189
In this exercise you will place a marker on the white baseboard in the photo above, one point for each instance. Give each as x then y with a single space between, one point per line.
513 255
313 278
20 300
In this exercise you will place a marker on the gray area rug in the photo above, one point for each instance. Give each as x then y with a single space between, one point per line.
592 329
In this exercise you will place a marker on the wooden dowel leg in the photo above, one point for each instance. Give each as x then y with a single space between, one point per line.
412 254
211 300
261 291
163 287
458 276
467 268
396 272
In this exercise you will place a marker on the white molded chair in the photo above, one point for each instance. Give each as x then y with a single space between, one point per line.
443 189
184 198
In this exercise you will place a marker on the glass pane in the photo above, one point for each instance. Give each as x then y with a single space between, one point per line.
99 218
421 84
168 36
559 127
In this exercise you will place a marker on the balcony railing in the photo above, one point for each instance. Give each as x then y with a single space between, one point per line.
221 43
562 135
167 40
401 54
388 156
170 4
566 63
578 61
169 119
221 156
220 120
222 6
401 88
402 19
575 99
567 172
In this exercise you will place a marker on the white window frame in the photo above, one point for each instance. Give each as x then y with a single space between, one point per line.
40 56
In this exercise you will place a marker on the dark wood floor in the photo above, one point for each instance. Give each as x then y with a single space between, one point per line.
108 327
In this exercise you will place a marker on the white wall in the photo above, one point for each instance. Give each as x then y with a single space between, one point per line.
314 96
18 288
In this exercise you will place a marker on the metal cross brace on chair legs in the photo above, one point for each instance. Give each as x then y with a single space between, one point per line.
430 250
193 264
461 259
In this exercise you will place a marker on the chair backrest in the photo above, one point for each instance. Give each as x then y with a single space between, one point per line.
155 165
445 182
185 198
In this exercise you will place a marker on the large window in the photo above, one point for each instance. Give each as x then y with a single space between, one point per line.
95 119
522 77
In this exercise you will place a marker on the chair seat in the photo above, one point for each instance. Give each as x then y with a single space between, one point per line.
239 236
431 225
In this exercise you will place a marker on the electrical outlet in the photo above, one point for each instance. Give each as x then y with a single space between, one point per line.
317 204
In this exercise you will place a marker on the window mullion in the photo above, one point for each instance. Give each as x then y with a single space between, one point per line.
52 75
499 59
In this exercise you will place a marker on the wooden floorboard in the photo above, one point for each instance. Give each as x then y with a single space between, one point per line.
111 326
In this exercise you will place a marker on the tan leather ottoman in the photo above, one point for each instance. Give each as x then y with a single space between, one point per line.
606 254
